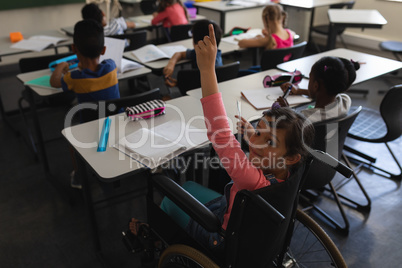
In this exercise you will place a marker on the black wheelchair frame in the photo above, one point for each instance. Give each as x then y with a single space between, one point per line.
265 228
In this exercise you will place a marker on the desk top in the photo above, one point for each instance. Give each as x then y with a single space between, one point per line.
225 48
309 4
112 163
25 77
227 6
374 66
231 93
356 16
5 43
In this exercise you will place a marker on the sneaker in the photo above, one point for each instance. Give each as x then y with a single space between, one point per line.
74 181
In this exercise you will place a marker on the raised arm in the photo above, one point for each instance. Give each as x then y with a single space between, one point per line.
206 54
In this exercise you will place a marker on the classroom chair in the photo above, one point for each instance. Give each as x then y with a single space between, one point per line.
65 98
179 32
264 230
135 39
323 29
148 6
190 78
272 57
392 46
381 126
330 137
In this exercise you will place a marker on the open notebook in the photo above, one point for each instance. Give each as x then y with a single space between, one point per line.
151 52
153 147
264 98
38 42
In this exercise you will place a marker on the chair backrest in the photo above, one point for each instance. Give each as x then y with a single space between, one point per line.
391 112
39 63
330 136
118 105
135 39
272 57
180 32
259 222
148 6
190 78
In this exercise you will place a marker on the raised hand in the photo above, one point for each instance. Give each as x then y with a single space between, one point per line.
206 51
244 127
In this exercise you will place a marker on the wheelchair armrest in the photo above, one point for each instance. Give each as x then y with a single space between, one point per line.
187 202
332 162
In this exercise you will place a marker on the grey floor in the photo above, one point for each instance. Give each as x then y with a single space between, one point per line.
41 228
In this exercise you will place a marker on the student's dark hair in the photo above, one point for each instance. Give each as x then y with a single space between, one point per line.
200 30
299 131
92 11
89 38
337 74
163 4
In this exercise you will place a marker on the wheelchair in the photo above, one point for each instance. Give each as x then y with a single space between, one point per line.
265 229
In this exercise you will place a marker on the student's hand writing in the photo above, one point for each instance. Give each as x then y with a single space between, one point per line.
170 82
265 32
293 91
282 102
206 51
244 127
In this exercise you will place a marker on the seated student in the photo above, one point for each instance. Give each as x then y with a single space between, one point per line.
115 26
275 35
329 78
200 29
94 80
170 13
276 148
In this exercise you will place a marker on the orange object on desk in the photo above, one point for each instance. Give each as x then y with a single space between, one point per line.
16 37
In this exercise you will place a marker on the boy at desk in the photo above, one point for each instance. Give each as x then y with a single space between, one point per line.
200 29
115 26
94 80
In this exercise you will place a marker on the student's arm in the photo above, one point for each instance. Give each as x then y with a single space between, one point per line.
258 41
159 17
130 24
295 89
206 54
168 70
60 70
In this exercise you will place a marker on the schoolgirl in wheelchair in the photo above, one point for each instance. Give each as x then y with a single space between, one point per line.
276 147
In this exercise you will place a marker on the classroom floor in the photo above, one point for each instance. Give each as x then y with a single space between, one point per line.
39 227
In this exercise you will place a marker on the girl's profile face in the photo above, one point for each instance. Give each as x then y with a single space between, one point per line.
267 146
312 88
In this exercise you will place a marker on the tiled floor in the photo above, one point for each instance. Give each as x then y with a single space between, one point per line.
38 228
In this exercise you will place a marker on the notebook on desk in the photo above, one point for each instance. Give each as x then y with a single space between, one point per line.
264 98
156 146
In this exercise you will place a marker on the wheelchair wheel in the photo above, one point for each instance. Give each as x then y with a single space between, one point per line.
311 246
183 256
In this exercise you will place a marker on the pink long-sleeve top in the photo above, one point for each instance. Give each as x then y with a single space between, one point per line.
172 15
235 161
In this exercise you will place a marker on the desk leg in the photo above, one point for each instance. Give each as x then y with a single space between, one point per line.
38 131
84 175
331 41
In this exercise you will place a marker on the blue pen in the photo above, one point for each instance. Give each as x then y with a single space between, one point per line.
104 135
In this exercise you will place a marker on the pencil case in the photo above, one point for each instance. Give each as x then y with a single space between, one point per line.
146 110
71 60
279 79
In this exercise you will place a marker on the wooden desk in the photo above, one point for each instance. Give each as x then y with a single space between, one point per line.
6 50
229 15
375 66
158 65
356 18
43 93
231 93
294 22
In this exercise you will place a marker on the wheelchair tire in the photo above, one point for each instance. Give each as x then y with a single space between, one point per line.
183 256
311 246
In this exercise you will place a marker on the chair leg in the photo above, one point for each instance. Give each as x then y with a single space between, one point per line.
32 144
373 160
342 229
